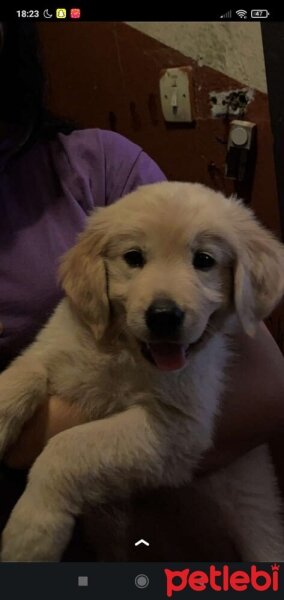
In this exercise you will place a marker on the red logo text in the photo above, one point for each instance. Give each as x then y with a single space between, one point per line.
223 579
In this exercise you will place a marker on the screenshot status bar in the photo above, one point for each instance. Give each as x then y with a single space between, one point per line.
85 12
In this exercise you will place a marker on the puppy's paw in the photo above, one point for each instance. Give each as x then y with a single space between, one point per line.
35 533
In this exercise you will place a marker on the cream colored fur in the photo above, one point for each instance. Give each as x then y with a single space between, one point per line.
145 427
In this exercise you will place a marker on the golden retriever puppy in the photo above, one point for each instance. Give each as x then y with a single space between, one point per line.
153 287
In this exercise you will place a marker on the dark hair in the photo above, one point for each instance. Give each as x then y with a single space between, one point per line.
23 84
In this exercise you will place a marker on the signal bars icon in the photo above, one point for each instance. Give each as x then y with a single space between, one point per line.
227 15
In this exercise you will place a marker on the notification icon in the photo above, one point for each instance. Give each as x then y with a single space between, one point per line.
61 13
75 13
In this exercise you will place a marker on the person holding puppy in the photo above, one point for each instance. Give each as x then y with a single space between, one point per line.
51 177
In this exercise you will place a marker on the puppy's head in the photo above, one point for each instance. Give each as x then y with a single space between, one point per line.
167 263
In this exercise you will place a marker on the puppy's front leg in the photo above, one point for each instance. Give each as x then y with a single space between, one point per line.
23 386
89 463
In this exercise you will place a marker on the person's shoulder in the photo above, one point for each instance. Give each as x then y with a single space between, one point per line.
98 139
100 148
119 163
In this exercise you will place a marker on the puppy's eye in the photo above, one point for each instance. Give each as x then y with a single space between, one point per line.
203 261
134 258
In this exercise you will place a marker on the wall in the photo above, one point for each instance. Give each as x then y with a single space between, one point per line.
106 75
234 49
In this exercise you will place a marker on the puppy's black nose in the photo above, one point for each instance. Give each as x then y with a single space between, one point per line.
164 318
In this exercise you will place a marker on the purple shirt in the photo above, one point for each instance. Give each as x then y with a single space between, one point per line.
45 195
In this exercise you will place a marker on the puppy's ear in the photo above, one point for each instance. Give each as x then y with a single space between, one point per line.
82 274
259 272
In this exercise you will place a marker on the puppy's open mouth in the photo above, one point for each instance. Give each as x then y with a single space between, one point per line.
166 356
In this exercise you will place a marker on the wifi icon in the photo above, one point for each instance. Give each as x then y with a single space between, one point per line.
242 14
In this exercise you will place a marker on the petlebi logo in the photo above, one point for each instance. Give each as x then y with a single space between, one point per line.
223 579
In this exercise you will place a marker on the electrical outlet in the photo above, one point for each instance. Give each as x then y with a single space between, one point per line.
176 92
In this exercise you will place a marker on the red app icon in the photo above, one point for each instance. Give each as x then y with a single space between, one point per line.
75 13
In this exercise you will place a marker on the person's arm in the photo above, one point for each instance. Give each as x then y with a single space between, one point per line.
253 406
253 409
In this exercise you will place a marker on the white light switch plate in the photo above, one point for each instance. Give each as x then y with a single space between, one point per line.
176 92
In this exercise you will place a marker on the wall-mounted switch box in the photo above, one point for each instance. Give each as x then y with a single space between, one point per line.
240 150
176 92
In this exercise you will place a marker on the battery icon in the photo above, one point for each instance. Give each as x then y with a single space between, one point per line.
259 14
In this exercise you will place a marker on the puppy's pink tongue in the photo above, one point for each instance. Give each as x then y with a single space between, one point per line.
168 357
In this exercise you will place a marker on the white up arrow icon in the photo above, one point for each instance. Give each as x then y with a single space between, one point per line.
141 542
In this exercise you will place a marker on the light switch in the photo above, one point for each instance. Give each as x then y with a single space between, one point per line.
176 92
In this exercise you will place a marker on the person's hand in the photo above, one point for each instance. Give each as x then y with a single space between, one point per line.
53 416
